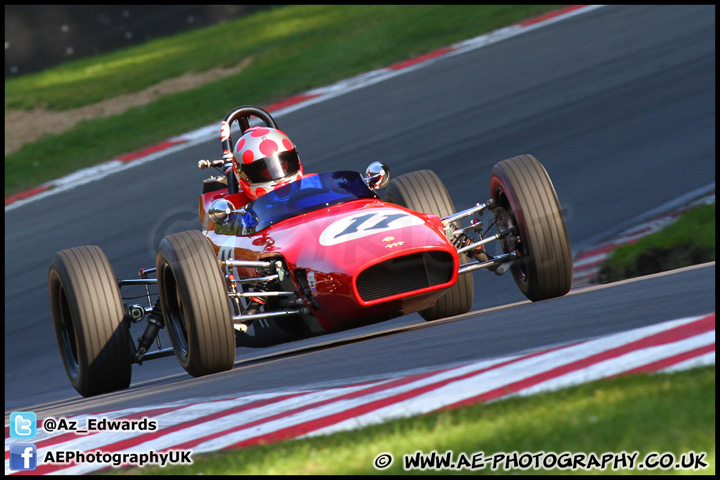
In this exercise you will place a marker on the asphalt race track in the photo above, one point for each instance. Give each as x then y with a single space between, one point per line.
617 103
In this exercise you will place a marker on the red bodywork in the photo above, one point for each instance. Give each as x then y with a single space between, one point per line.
307 242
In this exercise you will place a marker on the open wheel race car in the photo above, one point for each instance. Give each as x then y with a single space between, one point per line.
322 254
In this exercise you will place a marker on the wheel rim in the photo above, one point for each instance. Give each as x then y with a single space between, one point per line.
508 221
67 336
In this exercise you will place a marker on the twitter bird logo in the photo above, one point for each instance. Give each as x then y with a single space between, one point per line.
23 425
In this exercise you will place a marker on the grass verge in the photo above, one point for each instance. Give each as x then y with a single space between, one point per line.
672 412
291 49
689 241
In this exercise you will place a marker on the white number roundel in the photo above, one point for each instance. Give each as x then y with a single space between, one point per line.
364 224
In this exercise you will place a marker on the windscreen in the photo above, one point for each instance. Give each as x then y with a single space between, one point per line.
302 196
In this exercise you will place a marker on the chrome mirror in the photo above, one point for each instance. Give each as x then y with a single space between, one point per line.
377 175
221 211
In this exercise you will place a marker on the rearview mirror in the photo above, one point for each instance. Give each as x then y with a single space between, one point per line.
377 175
221 211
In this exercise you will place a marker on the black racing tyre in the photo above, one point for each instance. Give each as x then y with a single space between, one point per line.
422 191
525 194
195 304
88 313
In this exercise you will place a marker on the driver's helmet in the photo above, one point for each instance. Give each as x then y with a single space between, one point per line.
265 159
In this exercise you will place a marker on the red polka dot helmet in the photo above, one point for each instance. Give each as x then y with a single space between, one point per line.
265 159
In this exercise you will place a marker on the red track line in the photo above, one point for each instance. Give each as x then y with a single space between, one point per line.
420 59
670 361
550 15
129 157
26 194
312 425
697 327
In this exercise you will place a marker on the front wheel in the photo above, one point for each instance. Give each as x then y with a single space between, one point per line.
195 304
87 312
526 200
424 192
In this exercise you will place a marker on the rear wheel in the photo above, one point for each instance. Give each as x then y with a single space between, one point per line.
88 314
526 199
195 304
422 191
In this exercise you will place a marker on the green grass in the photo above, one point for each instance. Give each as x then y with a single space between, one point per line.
291 49
689 241
644 413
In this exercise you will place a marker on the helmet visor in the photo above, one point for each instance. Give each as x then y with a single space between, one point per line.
273 167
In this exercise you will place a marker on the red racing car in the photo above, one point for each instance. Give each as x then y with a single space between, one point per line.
321 254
